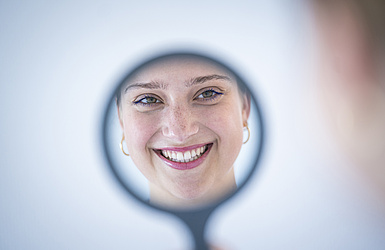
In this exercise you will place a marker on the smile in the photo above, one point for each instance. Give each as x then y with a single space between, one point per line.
184 158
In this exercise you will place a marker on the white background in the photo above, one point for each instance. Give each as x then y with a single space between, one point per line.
59 61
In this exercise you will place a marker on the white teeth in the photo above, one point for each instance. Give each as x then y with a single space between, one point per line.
179 156
186 156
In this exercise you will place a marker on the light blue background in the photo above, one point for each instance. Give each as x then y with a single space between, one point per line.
59 61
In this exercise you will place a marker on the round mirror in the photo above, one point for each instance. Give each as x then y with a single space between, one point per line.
182 133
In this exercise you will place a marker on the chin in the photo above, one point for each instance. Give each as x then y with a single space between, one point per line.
190 192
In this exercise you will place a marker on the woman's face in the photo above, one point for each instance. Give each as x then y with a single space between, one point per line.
183 125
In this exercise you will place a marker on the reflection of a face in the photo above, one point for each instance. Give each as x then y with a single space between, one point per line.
183 122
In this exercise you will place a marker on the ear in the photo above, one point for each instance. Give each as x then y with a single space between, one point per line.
245 107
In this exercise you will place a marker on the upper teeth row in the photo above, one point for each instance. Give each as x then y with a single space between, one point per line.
186 156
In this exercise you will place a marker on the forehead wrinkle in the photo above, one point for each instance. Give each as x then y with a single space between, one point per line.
203 79
146 85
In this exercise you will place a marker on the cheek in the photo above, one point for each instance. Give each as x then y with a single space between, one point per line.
138 128
226 122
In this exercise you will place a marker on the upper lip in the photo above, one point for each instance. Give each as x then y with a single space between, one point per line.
183 149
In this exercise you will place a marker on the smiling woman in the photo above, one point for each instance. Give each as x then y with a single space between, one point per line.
182 119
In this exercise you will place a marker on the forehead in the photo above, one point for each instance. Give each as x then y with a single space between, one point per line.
178 69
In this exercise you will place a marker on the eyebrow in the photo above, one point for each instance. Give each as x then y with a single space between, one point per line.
203 79
146 85
191 82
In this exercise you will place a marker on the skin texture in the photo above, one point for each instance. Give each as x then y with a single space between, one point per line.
182 102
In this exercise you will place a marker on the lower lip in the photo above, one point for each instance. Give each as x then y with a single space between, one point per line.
185 165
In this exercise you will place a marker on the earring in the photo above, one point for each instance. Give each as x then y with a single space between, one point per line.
245 125
121 146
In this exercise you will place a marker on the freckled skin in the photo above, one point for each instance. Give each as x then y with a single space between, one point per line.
179 120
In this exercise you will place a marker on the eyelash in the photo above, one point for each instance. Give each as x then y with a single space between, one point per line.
139 102
215 95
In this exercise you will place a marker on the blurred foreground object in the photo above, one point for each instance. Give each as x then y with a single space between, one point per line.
350 74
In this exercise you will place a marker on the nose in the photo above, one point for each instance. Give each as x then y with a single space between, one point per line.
179 123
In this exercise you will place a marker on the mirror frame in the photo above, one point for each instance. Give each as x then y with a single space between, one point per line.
195 218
